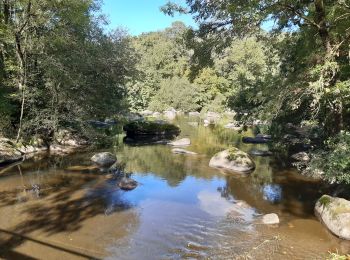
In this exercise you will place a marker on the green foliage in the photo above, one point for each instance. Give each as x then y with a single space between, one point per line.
60 65
333 160
161 55
177 93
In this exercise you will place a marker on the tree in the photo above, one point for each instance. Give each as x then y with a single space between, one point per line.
59 66
329 20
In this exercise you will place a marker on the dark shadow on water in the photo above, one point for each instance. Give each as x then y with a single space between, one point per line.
60 204
17 239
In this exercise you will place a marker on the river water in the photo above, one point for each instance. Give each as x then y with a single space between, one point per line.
59 208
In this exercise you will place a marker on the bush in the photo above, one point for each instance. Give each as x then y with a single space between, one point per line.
333 161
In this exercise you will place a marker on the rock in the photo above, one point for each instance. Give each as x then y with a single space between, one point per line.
194 114
104 159
233 159
270 219
146 113
301 157
213 117
334 213
257 152
206 122
156 114
181 142
144 128
134 117
127 184
268 137
231 114
170 114
233 126
98 124
182 151
254 140
8 152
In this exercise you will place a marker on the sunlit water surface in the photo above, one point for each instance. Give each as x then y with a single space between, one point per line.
182 209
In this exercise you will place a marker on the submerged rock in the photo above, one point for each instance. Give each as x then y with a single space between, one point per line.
233 159
181 142
127 184
182 151
270 219
104 159
257 152
272 193
255 140
334 213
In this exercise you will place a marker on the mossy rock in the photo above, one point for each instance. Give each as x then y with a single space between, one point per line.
334 213
233 159
138 128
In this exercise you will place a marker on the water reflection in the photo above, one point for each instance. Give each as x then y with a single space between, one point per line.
181 209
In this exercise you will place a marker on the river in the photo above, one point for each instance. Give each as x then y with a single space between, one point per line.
182 208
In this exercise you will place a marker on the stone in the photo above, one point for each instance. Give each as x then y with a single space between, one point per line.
257 152
193 114
233 159
301 157
270 219
212 117
156 114
264 136
334 213
8 152
104 159
182 151
127 184
233 126
181 142
146 113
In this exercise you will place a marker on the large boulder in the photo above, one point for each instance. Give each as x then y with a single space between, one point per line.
8 152
104 159
334 213
141 128
233 159
181 142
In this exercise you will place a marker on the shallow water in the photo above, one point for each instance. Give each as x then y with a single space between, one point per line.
182 208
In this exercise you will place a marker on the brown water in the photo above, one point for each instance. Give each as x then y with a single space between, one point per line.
182 209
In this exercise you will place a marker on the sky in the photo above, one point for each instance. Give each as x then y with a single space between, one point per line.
140 16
